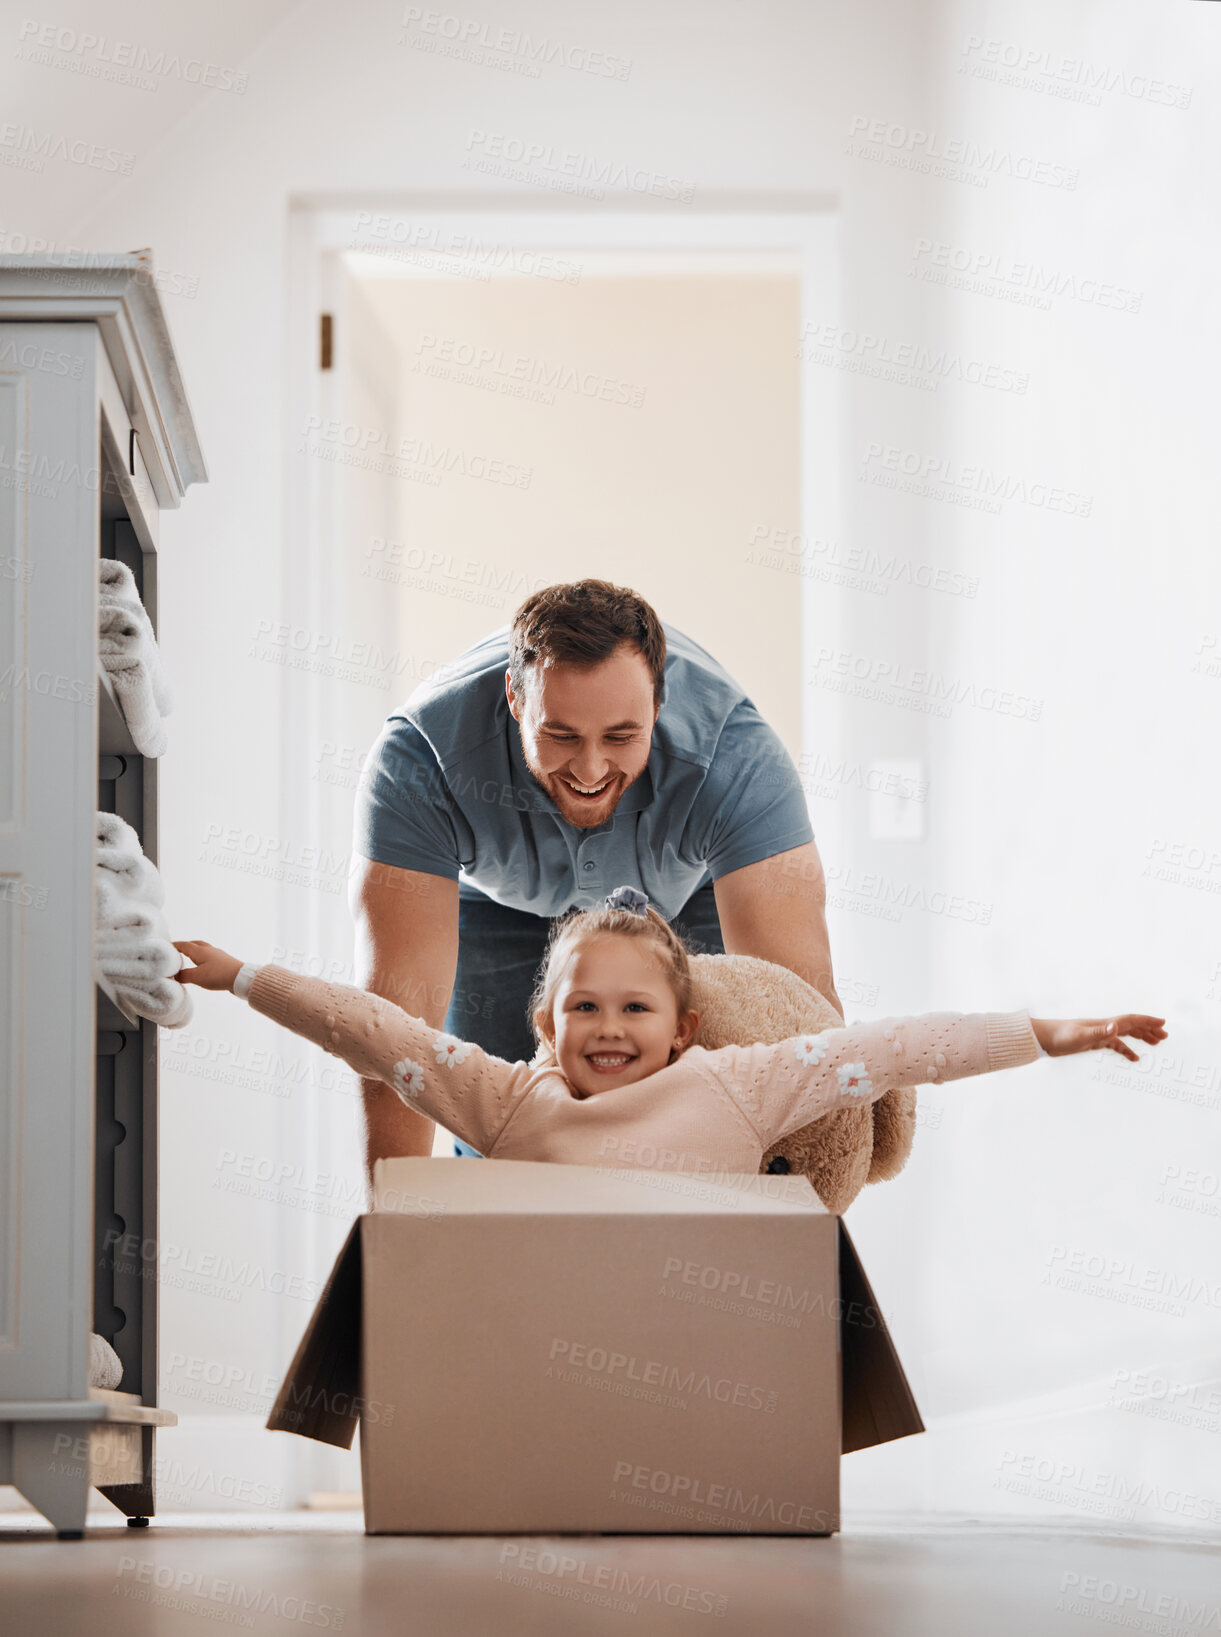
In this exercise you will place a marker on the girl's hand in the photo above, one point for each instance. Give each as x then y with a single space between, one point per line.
213 968
1059 1037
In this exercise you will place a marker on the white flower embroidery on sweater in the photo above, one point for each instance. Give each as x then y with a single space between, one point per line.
854 1079
408 1077
449 1050
810 1048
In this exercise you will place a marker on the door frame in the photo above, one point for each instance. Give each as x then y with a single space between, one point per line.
427 236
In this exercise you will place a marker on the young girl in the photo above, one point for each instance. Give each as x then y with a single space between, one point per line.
612 1014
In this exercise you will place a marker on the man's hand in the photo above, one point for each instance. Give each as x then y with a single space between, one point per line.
777 909
1061 1037
213 968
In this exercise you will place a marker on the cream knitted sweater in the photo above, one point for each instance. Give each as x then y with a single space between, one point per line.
709 1111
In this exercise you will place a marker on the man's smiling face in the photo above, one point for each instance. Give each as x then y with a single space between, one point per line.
586 731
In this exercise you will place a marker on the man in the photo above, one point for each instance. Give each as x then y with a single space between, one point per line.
583 747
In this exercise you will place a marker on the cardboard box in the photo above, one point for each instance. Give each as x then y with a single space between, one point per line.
536 1348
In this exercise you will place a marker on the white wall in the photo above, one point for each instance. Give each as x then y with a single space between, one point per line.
1048 822
1029 1184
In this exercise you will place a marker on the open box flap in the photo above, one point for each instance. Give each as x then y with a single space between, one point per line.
320 1395
878 1405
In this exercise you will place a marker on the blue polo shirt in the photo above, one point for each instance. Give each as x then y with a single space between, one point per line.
445 790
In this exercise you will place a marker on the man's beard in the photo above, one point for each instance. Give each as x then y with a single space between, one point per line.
582 815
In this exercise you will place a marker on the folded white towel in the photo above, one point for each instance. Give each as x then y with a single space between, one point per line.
130 655
111 898
134 959
119 853
127 923
160 999
137 960
163 1002
108 988
105 1366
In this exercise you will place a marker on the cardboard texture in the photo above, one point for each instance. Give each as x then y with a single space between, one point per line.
549 1348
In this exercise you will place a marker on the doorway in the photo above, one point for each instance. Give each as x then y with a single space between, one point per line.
508 399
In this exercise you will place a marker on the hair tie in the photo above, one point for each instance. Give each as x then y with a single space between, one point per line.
630 899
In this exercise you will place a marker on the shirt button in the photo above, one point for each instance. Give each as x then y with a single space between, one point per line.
587 866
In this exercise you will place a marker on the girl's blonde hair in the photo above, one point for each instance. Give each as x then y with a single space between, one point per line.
578 926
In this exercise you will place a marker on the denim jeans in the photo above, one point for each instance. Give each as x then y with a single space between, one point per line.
499 954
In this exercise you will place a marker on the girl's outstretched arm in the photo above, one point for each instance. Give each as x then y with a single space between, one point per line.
783 1087
470 1092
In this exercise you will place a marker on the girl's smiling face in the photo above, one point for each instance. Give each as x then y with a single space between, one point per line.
616 1018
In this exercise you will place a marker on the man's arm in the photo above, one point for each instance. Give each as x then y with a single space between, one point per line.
407 952
777 909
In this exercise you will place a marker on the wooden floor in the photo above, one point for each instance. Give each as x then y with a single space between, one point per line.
298 1572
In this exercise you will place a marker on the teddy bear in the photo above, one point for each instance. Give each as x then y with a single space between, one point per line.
742 1000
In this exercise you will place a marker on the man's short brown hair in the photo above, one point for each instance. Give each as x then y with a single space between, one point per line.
583 624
